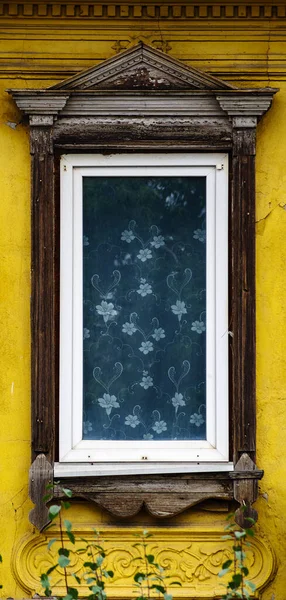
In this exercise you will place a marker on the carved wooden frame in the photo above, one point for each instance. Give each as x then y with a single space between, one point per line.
170 107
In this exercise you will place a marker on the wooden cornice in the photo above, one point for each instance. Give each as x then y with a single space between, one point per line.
146 10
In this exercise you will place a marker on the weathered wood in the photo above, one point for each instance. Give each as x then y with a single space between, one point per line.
43 315
162 496
169 131
41 474
242 322
245 491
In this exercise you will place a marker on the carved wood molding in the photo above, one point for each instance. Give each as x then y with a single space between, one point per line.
147 10
166 105
191 555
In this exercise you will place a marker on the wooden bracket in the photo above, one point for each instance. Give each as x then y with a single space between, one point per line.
41 474
245 490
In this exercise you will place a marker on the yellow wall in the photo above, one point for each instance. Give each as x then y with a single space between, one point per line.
37 51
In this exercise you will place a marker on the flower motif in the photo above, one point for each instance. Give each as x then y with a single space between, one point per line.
85 241
200 234
144 254
170 200
144 289
87 427
129 328
158 241
197 419
147 436
108 402
146 382
86 333
178 400
179 309
159 426
158 334
127 258
146 347
106 309
198 326
127 236
132 421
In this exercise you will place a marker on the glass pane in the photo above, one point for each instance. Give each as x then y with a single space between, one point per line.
144 297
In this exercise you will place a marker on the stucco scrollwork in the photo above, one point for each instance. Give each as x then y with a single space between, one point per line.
191 556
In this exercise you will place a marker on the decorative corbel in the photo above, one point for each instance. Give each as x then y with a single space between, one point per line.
245 490
41 474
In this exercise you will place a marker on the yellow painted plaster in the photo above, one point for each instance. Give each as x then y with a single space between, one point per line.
41 53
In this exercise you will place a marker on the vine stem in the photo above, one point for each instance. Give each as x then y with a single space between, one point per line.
62 542
146 567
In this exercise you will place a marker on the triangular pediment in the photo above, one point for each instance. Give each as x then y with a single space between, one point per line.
142 67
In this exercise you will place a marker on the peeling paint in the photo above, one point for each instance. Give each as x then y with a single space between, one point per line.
11 124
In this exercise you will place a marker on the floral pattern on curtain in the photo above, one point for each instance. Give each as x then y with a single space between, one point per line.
144 305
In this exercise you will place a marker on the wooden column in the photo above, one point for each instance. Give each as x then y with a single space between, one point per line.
242 237
43 309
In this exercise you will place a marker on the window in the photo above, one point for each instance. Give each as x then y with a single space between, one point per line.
144 308
145 116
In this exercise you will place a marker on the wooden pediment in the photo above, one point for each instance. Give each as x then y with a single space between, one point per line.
142 67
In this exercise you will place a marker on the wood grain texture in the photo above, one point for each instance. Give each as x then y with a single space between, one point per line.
43 314
41 474
243 293
162 496
245 491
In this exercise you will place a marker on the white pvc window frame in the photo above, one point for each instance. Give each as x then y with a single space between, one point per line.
158 456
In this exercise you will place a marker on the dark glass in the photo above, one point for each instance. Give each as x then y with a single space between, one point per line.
144 304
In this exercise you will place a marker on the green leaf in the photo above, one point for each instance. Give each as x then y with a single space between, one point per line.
44 580
63 561
227 564
239 534
138 577
71 537
91 565
46 498
51 569
54 511
250 520
236 580
150 558
67 492
1 560
63 552
251 585
99 561
72 594
110 573
77 578
168 596
51 542
65 505
96 589
159 588
90 580
223 572
244 570
68 525
250 532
